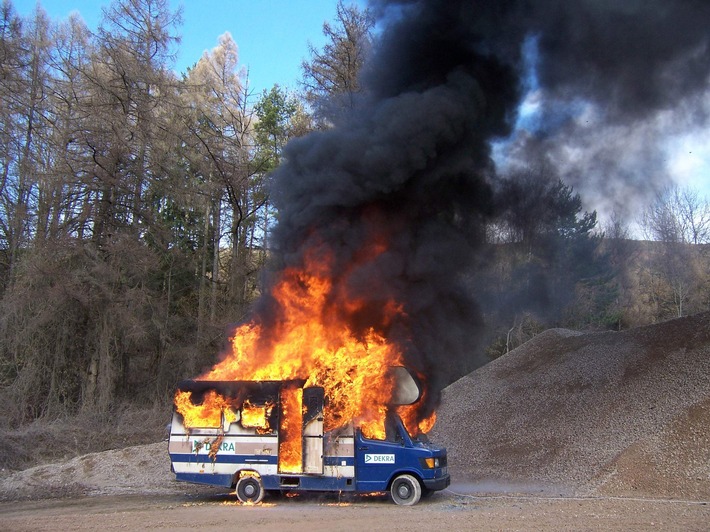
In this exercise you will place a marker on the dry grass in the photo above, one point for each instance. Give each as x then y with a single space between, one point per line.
44 441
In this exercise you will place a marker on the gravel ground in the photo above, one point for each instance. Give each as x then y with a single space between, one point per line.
606 414
443 511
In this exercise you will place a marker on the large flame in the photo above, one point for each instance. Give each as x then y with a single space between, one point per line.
208 413
291 437
256 416
312 338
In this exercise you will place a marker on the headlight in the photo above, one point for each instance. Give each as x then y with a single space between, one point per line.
430 463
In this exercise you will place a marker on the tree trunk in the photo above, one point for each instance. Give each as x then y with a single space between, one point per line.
216 232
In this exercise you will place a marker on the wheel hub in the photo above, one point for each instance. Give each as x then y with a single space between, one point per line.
403 491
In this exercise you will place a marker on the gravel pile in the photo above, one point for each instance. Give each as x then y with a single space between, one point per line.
143 468
613 413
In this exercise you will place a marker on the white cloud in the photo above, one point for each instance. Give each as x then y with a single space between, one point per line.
689 160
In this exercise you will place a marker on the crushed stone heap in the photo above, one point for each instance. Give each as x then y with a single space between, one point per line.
609 413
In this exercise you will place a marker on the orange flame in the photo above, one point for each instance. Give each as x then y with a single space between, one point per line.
290 435
208 414
312 338
256 416
412 417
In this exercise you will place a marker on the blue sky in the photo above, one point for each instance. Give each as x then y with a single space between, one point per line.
272 35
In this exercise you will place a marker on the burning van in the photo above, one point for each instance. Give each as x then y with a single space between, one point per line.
258 436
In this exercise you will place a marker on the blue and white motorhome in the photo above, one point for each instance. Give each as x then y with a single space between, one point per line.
243 451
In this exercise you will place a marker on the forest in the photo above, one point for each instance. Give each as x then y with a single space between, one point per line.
135 214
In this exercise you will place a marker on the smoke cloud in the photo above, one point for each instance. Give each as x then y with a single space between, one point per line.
610 83
413 161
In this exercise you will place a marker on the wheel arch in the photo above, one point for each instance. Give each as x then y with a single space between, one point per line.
239 473
399 472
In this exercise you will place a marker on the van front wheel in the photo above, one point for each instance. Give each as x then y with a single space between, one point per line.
250 489
406 490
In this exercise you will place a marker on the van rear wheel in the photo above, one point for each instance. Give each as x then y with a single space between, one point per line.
406 490
250 489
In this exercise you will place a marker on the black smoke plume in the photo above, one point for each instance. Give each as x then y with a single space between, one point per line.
414 156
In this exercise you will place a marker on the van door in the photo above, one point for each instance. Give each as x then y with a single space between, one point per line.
377 460
313 399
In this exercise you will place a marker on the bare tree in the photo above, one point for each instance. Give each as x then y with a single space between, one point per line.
131 85
27 119
128 87
114 199
678 215
694 212
330 77
12 64
221 129
678 220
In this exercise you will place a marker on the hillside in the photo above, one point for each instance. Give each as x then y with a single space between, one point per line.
615 413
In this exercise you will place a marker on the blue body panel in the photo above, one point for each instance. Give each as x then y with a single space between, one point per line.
307 483
339 460
212 479
396 458
224 458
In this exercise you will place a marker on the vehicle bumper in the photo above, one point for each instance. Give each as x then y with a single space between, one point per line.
436 484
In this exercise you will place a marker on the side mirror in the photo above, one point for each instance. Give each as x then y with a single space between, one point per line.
407 390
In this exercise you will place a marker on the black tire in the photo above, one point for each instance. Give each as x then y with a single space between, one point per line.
406 490
250 489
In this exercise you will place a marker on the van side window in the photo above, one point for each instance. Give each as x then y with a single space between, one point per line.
392 433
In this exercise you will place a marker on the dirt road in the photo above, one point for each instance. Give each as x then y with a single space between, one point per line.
443 511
